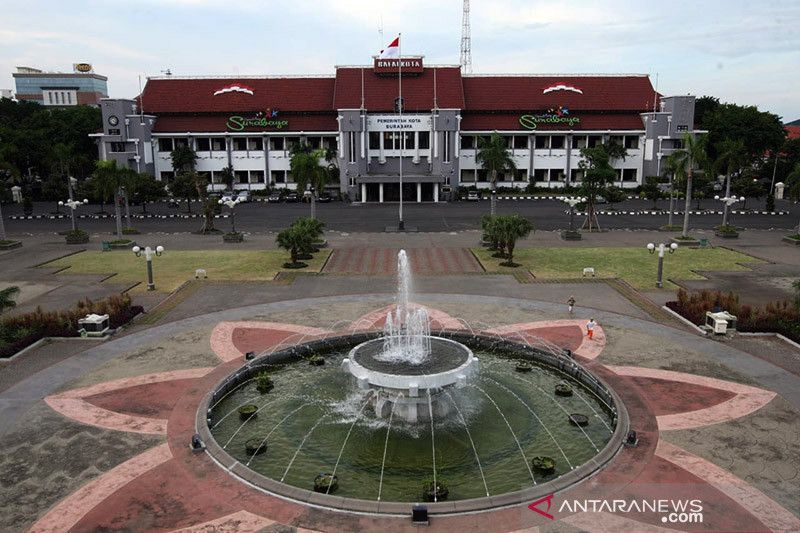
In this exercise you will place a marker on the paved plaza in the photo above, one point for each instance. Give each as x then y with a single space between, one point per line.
96 434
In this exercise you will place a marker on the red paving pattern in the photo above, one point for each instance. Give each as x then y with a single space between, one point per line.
153 400
383 261
670 397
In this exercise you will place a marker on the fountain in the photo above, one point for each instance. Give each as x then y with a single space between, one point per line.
409 368
400 415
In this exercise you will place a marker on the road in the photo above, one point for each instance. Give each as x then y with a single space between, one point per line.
260 217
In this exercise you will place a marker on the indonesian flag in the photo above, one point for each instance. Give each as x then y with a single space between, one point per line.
393 50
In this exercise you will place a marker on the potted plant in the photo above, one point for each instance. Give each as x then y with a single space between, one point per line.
316 360
435 492
264 383
326 482
233 237
255 447
563 389
726 231
524 366
77 236
246 412
543 465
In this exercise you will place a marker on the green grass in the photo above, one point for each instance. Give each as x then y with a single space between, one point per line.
633 264
173 268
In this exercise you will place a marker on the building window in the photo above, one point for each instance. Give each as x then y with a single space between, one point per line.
594 140
682 127
467 176
329 143
167 177
579 142
278 176
291 142
424 140
180 141
630 174
314 142
467 142
576 176
256 176
218 144
632 142
374 140
117 147
617 139
540 174
557 142
255 144
205 176
241 176
677 144
203 144
113 131
240 144
446 147
351 148
520 142
483 175
276 143
542 142
165 144
557 174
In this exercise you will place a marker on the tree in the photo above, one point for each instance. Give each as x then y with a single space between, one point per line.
730 159
184 159
692 155
226 176
104 182
676 170
614 195
761 132
183 186
144 188
748 187
651 190
7 297
703 108
598 175
494 157
511 228
294 239
307 171
315 230
792 183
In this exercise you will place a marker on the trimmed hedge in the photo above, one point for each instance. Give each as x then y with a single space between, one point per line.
777 317
19 331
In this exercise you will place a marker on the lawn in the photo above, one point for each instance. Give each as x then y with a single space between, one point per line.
173 268
633 264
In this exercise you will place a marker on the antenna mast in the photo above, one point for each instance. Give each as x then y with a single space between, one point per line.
466 46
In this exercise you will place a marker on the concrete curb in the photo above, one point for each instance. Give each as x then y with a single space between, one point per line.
688 323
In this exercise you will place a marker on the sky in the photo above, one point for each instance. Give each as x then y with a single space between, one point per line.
741 52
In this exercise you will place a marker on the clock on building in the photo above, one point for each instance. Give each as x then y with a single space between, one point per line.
113 120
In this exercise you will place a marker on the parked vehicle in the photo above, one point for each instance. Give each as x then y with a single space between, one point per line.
473 196
244 196
275 197
228 197
292 197
324 198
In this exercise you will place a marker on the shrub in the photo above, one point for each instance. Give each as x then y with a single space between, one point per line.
778 317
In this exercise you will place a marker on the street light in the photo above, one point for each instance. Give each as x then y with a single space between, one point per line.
231 204
148 255
73 205
728 201
572 202
661 249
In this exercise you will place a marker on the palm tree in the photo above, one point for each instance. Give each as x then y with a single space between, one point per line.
510 229
677 173
693 154
307 171
598 175
104 181
295 240
184 159
493 156
793 187
731 158
7 296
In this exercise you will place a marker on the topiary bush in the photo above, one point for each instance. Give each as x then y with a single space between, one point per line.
326 483
435 492
255 447
264 383
563 389
316 360
524 366
246 412
543 465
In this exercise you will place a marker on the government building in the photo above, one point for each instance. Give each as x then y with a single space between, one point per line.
251 124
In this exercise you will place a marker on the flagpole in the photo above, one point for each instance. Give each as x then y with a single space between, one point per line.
401 225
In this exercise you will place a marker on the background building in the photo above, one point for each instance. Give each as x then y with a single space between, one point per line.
251 124
61 89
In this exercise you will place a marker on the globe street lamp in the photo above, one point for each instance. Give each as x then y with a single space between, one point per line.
73 205
148 255
572 202
728 201
231 204
661 249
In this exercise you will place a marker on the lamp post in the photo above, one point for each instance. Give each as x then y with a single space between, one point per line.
728 201
73 205
572 202
661 249
148 255
313 197
231 204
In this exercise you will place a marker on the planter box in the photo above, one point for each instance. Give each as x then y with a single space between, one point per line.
727 234
571 235
77 239
790 240
233 237
107 245
10 245
691 243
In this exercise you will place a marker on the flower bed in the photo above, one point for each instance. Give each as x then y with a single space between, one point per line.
779 317
20 331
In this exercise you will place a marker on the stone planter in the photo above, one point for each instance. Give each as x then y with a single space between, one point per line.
255 447
727 234
577 419
233 237
77 237
326 483
543 465
435 494
524 366
563 389
10 245
691 242
316 360
119 245
791 240
568 235
246 412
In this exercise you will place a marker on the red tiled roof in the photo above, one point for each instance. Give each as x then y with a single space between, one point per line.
792 132
526 93
510 121
381 91
216 123
176 95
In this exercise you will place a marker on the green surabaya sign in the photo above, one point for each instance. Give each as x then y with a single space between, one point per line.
237 123
532 121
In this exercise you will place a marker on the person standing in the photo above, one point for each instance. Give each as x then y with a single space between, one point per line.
590 328
571 303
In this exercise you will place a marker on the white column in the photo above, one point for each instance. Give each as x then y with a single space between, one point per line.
380 193
363 193
419 192
435 192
